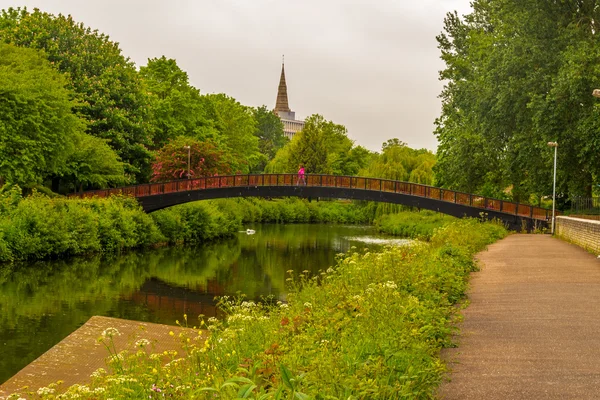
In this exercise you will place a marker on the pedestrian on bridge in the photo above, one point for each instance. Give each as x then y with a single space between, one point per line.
301 177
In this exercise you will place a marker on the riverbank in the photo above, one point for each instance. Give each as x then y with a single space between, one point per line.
38 227
371 327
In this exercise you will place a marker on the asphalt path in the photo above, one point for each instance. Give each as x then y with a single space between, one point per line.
532 329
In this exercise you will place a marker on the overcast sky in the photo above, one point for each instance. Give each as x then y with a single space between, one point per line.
369 65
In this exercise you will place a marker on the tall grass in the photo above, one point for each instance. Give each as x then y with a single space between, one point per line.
416 225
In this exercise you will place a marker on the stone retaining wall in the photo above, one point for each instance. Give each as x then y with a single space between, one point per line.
582 232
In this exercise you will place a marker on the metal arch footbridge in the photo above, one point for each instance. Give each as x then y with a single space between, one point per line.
156 196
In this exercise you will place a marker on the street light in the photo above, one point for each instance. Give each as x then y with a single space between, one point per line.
188 149
555 145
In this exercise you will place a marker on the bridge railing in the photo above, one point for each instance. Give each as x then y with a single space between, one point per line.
316 180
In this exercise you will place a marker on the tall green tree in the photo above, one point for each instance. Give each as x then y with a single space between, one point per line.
271 137
520 74
175 107
322 147
236 126
107 83
37 126
399 162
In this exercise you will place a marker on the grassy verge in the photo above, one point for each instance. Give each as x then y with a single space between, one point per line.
370 328
416 225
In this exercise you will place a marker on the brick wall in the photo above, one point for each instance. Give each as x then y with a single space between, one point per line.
582 232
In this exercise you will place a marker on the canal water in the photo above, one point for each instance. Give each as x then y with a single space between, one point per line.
43 302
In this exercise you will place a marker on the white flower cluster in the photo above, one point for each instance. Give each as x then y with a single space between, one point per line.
121 379
142 343
390 285
98 373
110 332
248 304
44 391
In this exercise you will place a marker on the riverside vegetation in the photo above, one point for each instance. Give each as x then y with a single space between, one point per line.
369 328
40 227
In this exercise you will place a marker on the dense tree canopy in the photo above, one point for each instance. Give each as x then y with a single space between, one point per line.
37 127
236 126
176 108
399 162
269 130
520 74
108 84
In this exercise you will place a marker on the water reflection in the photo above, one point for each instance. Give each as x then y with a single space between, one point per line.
43 302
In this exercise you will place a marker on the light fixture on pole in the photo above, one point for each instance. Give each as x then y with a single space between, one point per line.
188 149
555 145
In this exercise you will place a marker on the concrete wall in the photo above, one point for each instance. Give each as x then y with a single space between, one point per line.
582 232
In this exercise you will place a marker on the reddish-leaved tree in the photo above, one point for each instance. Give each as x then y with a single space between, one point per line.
206 159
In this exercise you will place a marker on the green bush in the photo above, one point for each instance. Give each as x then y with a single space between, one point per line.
417 225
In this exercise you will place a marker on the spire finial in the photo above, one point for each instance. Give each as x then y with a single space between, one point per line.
283 58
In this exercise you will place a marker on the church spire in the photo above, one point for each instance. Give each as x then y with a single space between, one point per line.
281 105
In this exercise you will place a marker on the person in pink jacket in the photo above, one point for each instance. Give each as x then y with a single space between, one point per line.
301 177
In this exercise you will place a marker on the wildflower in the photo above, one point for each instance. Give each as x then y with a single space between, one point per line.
171 333
155 388
110 332
98 373
390 285
284 305
44 390
212 320
142 343
307 305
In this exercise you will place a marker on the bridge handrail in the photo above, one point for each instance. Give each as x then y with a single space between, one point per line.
323 180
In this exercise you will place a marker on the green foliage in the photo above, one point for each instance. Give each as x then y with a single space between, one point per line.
38 227
37 127
399 162
237 126
269 130
195 222
372 327
92 164
416 225
322 147
520 74
176 107
113 101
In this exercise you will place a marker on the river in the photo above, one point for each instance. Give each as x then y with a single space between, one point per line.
43 302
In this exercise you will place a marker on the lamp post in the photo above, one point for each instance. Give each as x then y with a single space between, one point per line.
555 145
188 149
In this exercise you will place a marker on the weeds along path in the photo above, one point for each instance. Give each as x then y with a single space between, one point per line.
531 329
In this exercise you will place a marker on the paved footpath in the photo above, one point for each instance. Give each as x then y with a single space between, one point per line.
532 330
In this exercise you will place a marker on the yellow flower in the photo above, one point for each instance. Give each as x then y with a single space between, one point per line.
171 333
154 371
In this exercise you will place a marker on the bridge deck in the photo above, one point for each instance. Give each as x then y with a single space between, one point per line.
531 329
335 182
